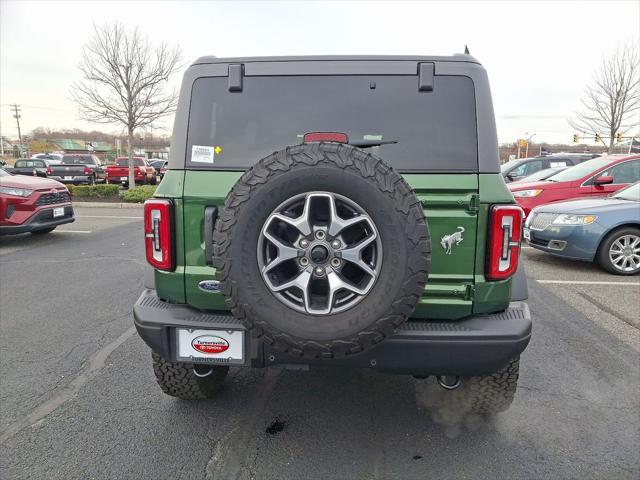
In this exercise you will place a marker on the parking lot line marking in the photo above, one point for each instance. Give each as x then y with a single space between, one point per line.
92 367
586 282
105 216
74 231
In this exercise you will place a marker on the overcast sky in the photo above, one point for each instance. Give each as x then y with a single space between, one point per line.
539 55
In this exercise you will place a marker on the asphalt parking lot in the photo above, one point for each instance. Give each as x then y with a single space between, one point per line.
78 398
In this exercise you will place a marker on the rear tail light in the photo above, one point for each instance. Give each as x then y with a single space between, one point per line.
141 170
158 229
87 171
325 137
505 230
49 170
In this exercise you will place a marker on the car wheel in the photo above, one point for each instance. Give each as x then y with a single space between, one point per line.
340 247
481 395
43 231
187 380
619 252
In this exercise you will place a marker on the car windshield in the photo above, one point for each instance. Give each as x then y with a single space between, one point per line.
542 174
580 170
630 193
505 167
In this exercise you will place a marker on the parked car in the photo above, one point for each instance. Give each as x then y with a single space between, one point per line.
515 170
32 204
32 167
79 168
160 166
321 249
52 158
542 174
597 177
605 229
119 172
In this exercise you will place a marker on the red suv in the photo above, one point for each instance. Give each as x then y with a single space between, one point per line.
598 177
32 204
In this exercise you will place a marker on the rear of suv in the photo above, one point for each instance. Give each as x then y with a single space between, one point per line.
341 211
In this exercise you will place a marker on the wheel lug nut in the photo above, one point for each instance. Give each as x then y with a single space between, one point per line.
304 261
335 262
319 271
320 234
304 243
335 244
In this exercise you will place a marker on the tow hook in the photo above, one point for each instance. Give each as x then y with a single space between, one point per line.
202 375
442 381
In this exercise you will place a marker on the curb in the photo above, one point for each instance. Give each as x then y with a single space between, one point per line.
131 206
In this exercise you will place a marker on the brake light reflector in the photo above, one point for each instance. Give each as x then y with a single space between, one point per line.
325 137
158 228
505 234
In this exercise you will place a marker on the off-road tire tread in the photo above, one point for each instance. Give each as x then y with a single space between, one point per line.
490 394
178 380
383 177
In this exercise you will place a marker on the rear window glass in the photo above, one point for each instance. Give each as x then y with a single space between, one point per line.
124 162
78 159
434 130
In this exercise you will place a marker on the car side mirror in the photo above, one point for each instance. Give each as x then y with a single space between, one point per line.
511 176
604 180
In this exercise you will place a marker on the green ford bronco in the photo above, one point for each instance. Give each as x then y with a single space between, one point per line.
341 211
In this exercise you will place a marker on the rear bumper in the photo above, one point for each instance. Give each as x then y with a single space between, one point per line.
40 221
477 345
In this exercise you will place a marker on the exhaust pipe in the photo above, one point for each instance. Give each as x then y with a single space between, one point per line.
442 381
202 375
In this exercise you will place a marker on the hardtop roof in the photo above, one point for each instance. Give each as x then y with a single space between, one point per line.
458 57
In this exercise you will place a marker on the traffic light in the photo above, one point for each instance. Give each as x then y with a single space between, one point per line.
619 137
575 138
598 137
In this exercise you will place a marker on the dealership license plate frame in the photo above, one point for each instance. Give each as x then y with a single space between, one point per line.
234 355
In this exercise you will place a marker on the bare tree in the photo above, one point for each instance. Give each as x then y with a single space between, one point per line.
123 81
611 104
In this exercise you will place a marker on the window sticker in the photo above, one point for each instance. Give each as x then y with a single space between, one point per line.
202 154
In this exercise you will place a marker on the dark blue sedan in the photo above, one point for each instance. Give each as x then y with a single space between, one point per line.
605 230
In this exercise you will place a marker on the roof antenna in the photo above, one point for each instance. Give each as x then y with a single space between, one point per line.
466 50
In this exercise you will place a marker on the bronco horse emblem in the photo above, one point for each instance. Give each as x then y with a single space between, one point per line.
449 240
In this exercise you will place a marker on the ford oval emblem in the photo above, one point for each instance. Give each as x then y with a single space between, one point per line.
210 344
209 286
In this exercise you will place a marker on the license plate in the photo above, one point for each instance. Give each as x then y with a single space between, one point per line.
216 346
527 234
58 212
68 178
123 179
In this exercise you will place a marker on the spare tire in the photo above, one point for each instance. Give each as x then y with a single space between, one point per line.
322 250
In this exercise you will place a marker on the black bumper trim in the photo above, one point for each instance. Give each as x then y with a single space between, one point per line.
475 345
42 220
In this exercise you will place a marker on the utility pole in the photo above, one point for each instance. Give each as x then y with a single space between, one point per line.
16 115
